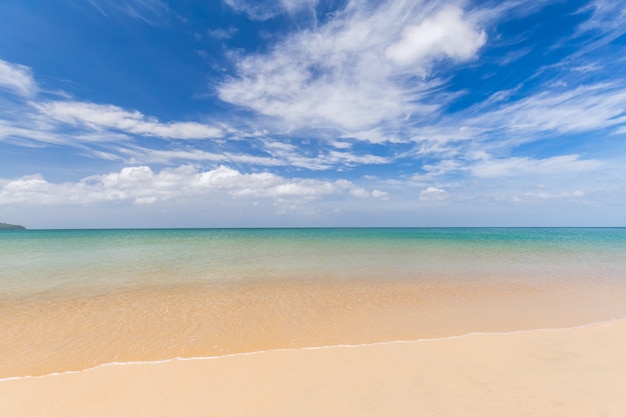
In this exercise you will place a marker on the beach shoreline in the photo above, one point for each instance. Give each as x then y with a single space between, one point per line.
576 371
309 322
77 333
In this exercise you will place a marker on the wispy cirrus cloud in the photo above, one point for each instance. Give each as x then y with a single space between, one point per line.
17 79
583 108
152 12
501 125
276 154
78 123
607 20
27 115
368 65
222 34
518 166
263 10
110 132
168 157
101 117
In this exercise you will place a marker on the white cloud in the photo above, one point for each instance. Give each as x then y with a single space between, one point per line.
503 125
17 79
141 185
543 196
375 135
516 166
608 18
8 131
32 131
280 154
433 194
446 34
581 109
102 117
443 167
167 156
383 195
292 156
263 10
350 159
85 124
152 12
338 74
222 34
72 122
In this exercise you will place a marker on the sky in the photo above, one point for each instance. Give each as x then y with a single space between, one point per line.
287 113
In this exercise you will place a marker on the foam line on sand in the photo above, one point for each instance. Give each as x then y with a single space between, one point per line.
577 371
199 358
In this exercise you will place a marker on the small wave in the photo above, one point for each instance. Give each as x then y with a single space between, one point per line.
391 342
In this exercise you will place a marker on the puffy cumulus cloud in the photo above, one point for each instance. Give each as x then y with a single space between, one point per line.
382 195
433 194
17 78
103 117
141 185
351 72
446 34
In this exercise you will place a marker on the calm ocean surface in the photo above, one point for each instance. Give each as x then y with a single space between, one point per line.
44 261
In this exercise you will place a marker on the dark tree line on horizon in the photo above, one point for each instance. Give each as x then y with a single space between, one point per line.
6 226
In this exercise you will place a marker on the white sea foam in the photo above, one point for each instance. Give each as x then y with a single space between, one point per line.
339 346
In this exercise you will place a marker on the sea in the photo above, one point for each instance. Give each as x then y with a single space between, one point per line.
73 299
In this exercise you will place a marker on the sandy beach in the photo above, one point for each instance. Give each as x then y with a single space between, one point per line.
577 371
354 323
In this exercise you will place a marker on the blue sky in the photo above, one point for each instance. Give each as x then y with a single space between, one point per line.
239 113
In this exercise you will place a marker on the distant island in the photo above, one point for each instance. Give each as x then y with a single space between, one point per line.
6 226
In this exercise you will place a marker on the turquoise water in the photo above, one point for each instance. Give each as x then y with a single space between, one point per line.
44 261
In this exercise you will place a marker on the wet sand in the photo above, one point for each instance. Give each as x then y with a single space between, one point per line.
43 335
555 372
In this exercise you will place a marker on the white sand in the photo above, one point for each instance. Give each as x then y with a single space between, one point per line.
566 372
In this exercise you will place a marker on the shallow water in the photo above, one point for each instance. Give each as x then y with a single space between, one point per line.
72 299
96 260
